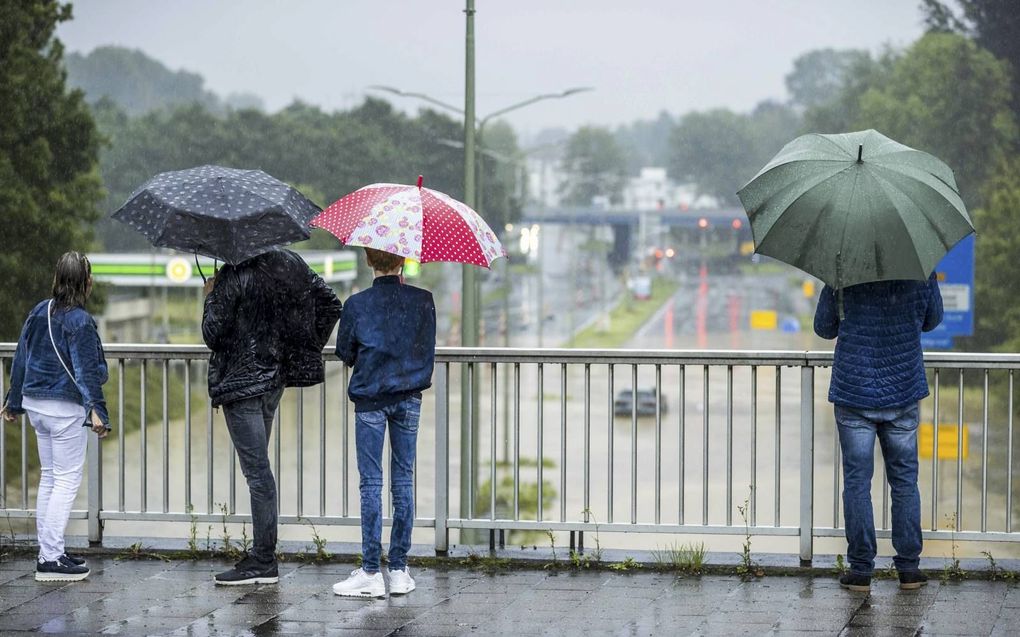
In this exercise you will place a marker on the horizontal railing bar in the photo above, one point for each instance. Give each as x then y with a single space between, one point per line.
237 518
21 514
811 358
958 536
618 527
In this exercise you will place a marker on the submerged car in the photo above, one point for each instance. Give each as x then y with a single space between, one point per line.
623 405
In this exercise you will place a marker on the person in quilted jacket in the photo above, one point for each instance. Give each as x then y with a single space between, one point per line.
877 382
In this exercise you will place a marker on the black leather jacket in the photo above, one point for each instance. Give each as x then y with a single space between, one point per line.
266 322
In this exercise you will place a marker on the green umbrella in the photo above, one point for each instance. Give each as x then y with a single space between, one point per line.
855 207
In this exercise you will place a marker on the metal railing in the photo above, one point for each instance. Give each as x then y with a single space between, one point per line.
718 420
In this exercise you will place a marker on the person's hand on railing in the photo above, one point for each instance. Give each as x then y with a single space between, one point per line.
98 426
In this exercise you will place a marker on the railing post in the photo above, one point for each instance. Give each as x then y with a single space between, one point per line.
807 463
95 478
442 485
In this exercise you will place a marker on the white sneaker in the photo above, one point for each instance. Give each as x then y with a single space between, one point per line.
401 582
361 584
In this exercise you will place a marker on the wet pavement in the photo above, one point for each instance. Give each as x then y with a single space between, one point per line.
131 597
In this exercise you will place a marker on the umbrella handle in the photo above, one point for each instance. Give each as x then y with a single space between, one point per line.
839 284
197 265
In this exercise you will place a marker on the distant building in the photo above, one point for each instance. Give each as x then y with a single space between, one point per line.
651 190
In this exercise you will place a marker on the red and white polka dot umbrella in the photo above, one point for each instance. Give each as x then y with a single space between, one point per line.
421 224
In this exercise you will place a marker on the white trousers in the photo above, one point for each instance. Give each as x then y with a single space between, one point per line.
62 441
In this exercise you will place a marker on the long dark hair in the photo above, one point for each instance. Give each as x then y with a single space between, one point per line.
72 280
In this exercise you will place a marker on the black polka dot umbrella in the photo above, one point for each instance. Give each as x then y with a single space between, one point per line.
224 213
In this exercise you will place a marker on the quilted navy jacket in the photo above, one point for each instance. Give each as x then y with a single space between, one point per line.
878 362
388 334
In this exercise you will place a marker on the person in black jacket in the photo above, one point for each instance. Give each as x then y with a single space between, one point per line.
266 322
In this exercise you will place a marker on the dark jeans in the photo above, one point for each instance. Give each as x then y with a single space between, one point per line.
250 421
370 427
896 430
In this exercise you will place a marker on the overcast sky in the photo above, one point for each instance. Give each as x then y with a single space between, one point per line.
642 56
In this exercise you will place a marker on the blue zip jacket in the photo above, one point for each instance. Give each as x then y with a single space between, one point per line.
878 362
387 334
36 372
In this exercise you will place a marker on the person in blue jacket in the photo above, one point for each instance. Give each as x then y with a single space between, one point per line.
387 334
877 382
57 379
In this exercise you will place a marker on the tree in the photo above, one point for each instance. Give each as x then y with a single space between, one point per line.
994 24
49 185
720 150
842 112
997 310
135 81
947 96
646 142
818 75
595 166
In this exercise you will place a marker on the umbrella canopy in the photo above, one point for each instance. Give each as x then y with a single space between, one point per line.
418 223
224 213
855 207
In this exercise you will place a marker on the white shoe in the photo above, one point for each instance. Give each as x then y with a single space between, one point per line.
361 584
401 582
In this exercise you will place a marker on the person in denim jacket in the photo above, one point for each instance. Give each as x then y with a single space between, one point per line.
57 379
387 334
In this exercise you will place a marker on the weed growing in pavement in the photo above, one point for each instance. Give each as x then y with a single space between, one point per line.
597 553
628 564
228 549
485 562
552 546
889 572
681 558
951 569
193 534
747 567
138 552
245 540
996 573
321 554
581 562
841 567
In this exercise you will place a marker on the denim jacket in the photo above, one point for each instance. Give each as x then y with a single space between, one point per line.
36 372
388 334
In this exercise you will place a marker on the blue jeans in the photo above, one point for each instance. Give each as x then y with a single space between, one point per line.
370 427
896 430
250 421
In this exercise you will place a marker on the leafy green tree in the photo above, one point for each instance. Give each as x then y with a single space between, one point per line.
720 150
49 185
817 75
997 288
646 142
595 166
842 111
135 81
994 24
949 97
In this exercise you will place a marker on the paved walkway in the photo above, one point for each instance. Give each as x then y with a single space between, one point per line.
125 597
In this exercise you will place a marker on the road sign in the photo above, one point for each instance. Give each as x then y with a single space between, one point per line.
947 442
955 274
764 320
